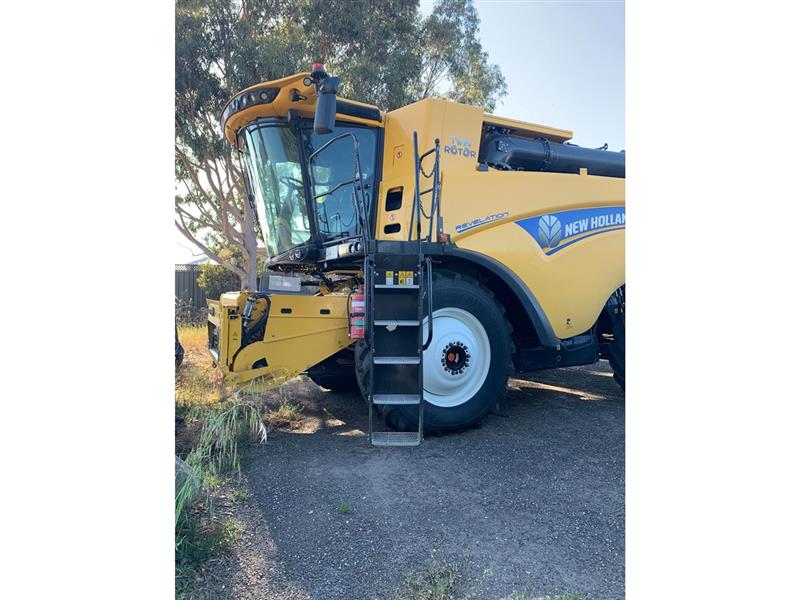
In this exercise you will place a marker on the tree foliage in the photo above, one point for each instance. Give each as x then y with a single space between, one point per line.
453 61
383 50
216 280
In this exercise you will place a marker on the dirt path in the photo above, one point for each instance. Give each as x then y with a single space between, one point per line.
534 500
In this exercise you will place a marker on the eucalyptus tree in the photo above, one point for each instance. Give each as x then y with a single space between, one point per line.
385 52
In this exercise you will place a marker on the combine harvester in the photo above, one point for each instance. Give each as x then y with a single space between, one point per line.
448 249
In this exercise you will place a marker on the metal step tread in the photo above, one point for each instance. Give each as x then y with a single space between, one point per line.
396 322
395 360
395 399
383 286
396 438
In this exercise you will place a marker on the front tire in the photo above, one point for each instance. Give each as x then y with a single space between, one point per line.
466 366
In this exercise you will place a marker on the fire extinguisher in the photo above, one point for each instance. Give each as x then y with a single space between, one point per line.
357 313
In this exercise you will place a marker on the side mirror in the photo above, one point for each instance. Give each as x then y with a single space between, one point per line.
325 113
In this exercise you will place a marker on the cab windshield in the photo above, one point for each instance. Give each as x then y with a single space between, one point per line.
274 176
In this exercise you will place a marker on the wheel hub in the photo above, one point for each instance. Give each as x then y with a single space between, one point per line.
455 358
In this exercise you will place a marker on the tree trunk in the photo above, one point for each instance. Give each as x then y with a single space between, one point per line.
249 281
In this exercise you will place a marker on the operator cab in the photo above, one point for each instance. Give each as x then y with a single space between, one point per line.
312 184
301 210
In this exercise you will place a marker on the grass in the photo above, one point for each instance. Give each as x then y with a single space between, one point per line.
223 429
240 495
435 582
214 426
197 382
344 507
194 337
195 387
442 581
213 481
286 415
203 538
230 534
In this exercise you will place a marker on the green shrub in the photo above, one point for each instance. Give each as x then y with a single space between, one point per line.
215 280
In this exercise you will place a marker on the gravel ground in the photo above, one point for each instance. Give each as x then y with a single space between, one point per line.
533 500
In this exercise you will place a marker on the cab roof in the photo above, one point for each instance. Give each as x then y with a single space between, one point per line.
276 98
297 92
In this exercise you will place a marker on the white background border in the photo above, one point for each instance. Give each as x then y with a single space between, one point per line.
712 417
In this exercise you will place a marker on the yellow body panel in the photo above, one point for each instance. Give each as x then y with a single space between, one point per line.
293 341
432 118
571 285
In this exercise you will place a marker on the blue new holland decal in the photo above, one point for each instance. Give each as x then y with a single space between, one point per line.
556 231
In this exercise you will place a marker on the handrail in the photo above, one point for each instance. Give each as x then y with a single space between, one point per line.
417 203
330 142
434 195
335 188
358 199
429 290
417 211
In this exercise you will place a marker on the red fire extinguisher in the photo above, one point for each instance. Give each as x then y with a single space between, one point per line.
358 311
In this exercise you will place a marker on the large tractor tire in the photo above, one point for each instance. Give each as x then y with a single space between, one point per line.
467 364
616 346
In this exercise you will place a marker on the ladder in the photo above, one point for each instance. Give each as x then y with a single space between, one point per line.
395 292
399 295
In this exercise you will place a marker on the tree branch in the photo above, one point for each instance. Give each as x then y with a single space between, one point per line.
209 252
203 223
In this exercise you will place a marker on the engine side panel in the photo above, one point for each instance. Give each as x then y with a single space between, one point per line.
563 235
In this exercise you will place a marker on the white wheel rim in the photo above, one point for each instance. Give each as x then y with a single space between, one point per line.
456 333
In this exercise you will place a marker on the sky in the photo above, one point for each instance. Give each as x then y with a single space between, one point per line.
564 64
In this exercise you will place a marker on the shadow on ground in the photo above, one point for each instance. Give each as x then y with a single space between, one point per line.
533 500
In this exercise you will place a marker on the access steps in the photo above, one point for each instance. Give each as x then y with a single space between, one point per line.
395 293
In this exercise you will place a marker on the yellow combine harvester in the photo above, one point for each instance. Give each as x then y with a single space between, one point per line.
442 249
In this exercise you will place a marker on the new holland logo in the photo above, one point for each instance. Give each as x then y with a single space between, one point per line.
554 232
549 231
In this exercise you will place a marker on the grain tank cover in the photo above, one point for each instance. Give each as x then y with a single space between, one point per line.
510 152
